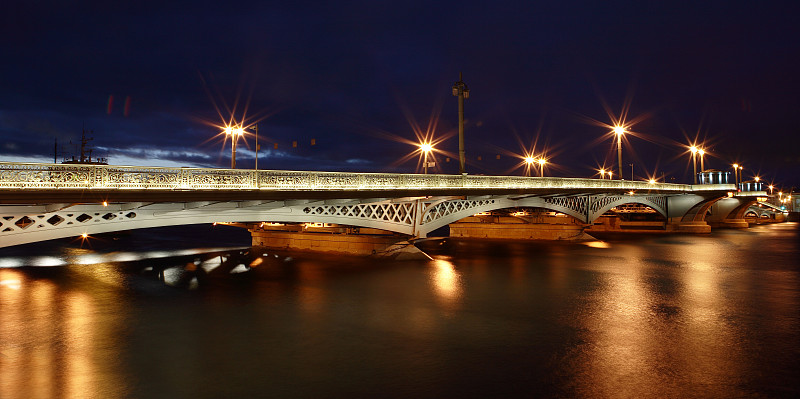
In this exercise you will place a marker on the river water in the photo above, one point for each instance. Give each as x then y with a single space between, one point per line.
186 313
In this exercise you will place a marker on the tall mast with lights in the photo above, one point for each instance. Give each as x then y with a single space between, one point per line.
461 91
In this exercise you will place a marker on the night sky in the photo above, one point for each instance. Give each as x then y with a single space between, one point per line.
154 81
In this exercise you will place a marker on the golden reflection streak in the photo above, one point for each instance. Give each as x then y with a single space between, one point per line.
12 328
79 331
42 329
446 281
620 351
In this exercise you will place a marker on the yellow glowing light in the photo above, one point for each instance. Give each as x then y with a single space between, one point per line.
757 179
619 130
85 235
105 203
693 149
631 192
542 161
234 130
652 181
701 152
529 160
736 166
425 147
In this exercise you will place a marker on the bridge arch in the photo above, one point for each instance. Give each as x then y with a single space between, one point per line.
605 204
444 213
741 210
697 213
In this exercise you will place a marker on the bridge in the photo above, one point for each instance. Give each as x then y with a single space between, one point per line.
47 201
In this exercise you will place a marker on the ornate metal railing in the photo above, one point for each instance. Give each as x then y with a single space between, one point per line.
67 176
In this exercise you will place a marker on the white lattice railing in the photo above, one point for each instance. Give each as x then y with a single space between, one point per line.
62 176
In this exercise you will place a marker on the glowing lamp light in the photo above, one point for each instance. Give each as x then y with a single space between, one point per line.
529 160
652 181
756 179
425 147
693 149
619 130
542 161
85 235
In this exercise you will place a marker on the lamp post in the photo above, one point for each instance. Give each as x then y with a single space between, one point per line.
602 174
425 148
528 163
619 131
461 91
694 150
235 132
736 173
609 175
702 153
741 177
541 161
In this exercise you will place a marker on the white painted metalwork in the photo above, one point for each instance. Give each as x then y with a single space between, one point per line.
61 176
414 216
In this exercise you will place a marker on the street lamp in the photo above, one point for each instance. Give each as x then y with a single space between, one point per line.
235 132
528 162
426 148
741 177
541 161
609 175
694 150
771 187
702 152
619 131
736 173
602 174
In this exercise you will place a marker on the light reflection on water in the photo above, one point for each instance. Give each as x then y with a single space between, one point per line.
666 316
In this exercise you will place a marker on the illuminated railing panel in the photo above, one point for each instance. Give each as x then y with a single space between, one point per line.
61 176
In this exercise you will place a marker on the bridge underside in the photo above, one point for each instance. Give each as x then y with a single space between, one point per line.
413 217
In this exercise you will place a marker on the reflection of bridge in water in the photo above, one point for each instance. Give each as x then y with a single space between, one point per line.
47 201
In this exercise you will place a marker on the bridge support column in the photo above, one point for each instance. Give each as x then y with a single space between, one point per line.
537 227
730 224
694 227
336 240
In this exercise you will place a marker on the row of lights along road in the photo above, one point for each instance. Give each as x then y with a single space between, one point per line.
461 91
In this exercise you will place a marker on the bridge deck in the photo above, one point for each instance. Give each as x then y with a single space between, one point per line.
26 183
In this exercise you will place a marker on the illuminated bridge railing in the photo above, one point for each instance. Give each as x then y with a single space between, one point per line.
67 176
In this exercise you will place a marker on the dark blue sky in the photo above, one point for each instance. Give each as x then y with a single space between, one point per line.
352 75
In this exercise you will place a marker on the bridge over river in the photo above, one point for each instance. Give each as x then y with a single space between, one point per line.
47 201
